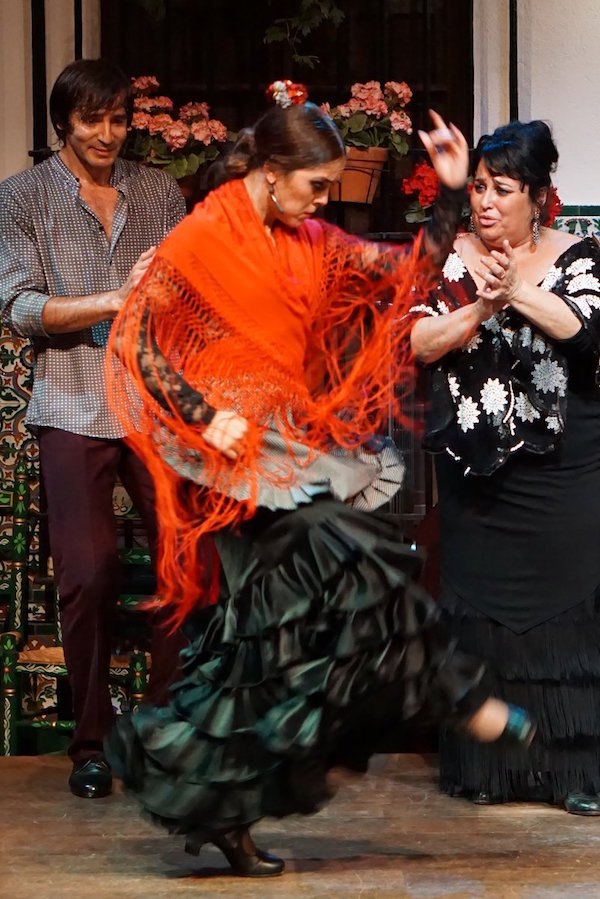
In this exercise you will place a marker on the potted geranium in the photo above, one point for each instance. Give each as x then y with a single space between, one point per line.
181 141
373 124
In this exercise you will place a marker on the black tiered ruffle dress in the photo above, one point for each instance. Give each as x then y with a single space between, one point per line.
320 644
515 420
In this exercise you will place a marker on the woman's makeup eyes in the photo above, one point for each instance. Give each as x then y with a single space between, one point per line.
480 188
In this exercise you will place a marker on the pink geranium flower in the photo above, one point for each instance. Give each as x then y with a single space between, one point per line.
400 121
176 135
145 84
193 110
398 90
141 121
150 104
217 130
158 123
201 131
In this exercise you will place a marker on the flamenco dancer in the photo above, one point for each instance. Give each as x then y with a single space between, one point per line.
263 345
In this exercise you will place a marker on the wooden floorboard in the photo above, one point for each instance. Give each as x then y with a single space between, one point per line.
389 834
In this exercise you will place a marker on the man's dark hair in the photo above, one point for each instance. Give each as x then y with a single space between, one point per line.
86 86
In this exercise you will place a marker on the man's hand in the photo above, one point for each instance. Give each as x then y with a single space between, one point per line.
138 270
226 433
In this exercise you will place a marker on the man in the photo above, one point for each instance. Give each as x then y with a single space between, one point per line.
77 233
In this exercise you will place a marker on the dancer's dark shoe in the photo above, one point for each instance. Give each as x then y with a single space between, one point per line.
583 804
245 858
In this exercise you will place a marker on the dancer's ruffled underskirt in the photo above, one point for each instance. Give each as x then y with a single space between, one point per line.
320 644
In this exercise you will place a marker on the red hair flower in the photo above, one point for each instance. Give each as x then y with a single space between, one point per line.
287 93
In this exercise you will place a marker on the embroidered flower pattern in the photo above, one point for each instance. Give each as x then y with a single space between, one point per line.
467 414
492 324
427 310
508 381
453 386
549 376
584 306
580 266
472 343
553 275
524 408
526 336
493 396
583 282
454 268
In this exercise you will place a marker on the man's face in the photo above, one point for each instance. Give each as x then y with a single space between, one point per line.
97 139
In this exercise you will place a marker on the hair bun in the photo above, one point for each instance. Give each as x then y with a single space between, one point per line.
287 93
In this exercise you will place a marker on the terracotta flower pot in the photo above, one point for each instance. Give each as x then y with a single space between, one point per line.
360 178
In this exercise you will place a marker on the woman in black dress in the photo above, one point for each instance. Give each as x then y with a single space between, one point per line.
510 338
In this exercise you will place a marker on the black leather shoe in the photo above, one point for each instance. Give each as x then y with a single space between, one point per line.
483 798
245 858
583 804
91 778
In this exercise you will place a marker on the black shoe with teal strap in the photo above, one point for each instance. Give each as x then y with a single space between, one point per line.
519 729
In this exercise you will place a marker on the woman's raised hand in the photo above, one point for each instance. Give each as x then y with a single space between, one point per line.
226 433
448 151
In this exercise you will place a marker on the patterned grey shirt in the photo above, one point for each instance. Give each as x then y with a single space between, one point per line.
53 244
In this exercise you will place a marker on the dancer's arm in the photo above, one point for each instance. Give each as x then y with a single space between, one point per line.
224 430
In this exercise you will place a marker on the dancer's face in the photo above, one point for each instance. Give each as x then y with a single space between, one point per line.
302 192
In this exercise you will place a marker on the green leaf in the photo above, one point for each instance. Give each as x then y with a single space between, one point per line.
416 216
309 61
178 168
275 33
357 122
398 143
193 164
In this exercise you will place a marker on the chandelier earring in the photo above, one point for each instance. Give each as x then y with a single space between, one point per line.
273 197
473 226
535 227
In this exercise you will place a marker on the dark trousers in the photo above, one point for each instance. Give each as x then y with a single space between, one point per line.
79 475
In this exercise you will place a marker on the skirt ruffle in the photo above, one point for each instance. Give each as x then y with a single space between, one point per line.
321 645
552 670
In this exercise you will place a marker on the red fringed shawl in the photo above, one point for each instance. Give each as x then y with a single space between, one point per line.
302 331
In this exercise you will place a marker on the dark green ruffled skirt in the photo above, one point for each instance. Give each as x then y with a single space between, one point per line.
320 645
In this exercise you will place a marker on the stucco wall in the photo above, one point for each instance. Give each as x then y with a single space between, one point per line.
16 127
16 107
558 77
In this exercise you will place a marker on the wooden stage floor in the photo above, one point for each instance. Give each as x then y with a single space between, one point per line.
389 834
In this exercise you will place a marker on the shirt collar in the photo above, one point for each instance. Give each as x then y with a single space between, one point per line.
117 179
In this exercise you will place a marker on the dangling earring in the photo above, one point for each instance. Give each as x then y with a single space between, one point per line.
535 227
276 202
473 227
